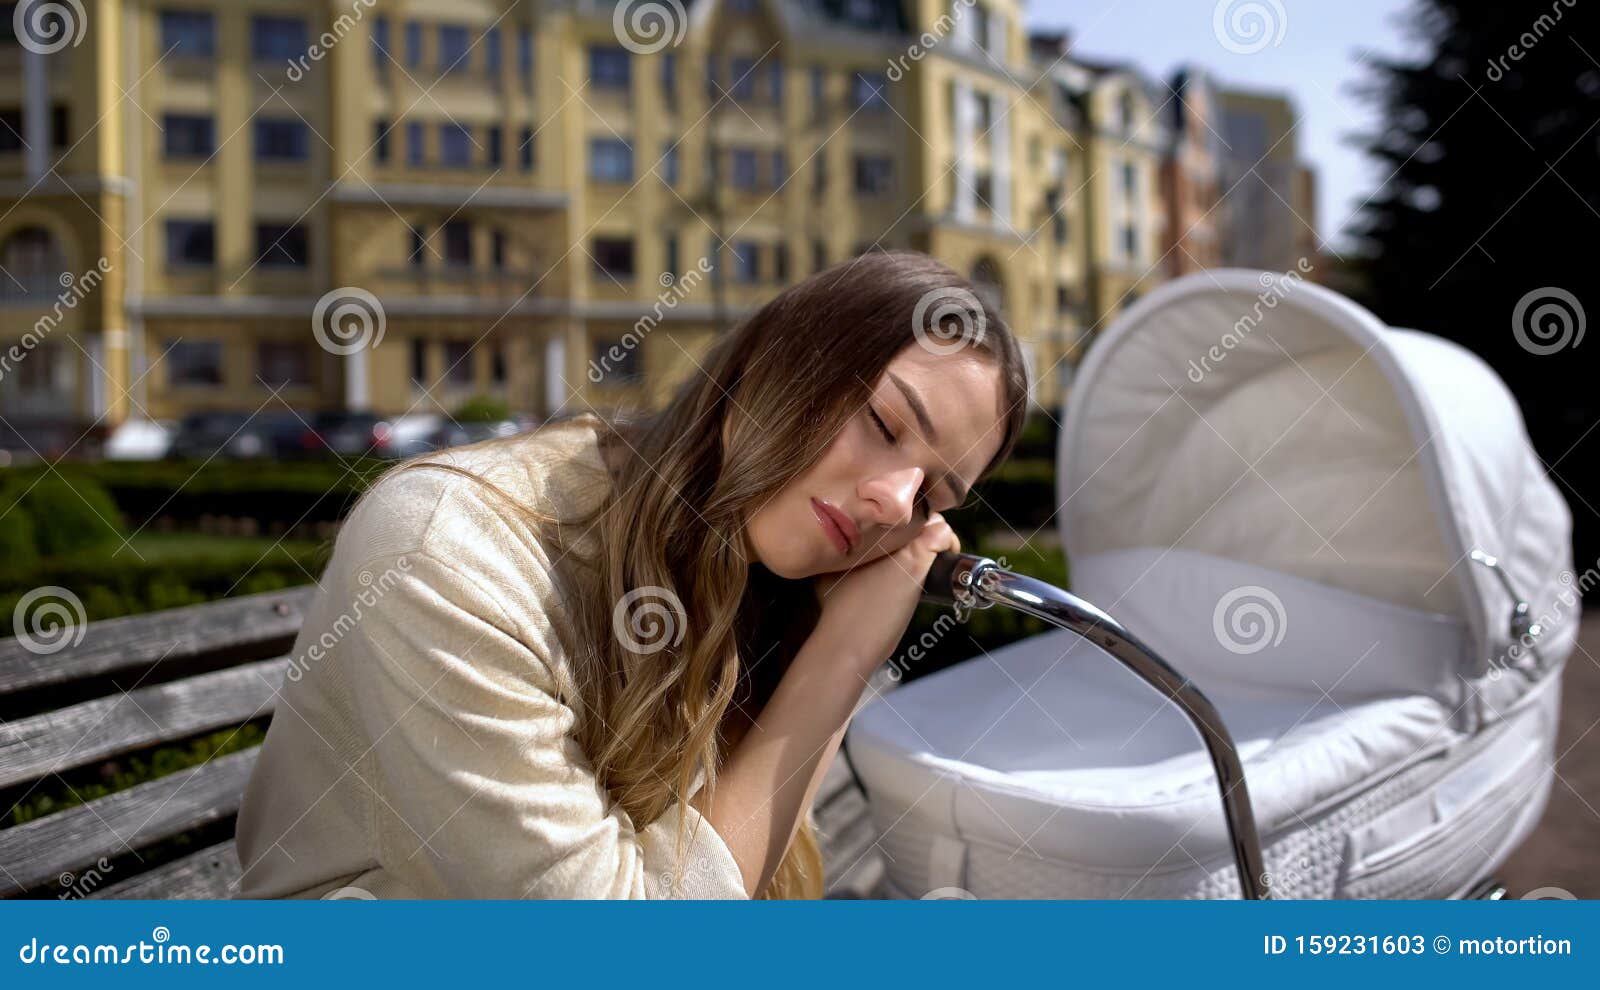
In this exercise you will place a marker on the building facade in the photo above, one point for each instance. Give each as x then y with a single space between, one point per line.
397 205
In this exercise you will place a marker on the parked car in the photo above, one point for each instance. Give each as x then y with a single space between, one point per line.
204 435
453 434
139 439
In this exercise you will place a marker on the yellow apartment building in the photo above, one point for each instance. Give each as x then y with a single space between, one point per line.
399 204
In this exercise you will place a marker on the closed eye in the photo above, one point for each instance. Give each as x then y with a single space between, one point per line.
883 428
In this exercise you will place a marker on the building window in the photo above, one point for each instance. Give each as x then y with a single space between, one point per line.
746 262
668 166
453 48
380 141
744 168
869 91
780 261
819 255
416 145
279 140
613 256
419 246
413 45
525 53
619 362
780 168
819 173
672 255
277 39
742 70
609 67
282 245
380 44
1130 241
193 362
419 362
610 160
457 243
984 105
455 145
874 175
819 84
525 149
983 189
491 51
775 84
493 150
458 363
283 362
191 243
10 127
497 249
188 33
185 136
669 79
497 363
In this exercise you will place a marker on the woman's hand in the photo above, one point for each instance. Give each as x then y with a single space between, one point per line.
866 609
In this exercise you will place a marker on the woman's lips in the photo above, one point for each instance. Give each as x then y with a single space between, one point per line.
836 525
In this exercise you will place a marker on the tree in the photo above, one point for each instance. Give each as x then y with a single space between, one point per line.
1485 233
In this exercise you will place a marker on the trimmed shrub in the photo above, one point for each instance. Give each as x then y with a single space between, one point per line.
482 409
71 514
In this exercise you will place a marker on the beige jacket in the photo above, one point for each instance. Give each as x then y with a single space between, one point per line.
422 742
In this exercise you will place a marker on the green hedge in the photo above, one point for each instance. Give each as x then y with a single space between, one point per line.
158 571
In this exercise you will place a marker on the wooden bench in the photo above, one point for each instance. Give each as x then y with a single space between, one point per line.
130 685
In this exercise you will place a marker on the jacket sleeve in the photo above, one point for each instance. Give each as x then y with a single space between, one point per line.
477 786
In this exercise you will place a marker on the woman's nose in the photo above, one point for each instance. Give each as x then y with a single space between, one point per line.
893 496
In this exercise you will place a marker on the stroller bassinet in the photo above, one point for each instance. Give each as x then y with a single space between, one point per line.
1282 496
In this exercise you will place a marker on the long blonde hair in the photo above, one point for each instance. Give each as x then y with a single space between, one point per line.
772 395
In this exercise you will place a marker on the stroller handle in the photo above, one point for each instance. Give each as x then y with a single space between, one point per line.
971 581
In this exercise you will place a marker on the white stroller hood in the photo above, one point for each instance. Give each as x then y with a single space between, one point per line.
1280 495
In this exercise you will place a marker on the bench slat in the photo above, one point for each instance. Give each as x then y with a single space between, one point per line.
94 730
37 852
112 646
208 875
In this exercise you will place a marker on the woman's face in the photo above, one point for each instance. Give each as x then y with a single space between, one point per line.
928 428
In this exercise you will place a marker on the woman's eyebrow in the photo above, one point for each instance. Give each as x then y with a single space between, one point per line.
920 410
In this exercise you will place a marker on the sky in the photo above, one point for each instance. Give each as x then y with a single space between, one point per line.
1311 50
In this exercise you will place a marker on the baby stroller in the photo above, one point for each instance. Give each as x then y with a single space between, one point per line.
1339 536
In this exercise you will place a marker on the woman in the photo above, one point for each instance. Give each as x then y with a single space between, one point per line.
614 660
